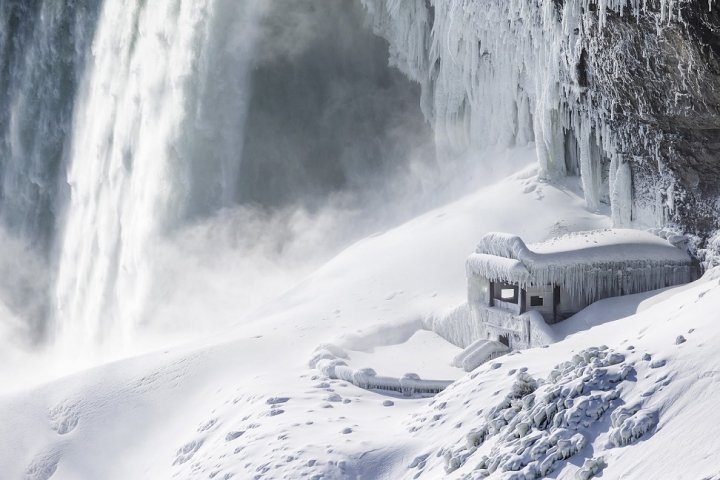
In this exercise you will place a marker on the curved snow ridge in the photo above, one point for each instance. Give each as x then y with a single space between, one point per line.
608 245
479 352
330 361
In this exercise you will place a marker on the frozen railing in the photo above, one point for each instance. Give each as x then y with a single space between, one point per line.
329 362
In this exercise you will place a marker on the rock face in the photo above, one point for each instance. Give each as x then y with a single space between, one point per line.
662 77
626 96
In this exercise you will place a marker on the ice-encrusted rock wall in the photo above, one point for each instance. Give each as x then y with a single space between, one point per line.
621 92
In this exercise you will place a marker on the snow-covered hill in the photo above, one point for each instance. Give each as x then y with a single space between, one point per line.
244 404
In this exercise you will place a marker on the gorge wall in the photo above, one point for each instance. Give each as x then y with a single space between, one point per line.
623 93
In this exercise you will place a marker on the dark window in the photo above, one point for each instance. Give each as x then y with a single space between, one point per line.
536 301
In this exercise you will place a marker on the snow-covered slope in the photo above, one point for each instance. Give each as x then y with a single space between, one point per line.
244 404
638 390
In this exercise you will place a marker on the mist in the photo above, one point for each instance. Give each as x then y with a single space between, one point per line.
244 145
321 144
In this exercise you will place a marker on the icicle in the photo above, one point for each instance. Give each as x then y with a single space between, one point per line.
501 72
621 192
588 265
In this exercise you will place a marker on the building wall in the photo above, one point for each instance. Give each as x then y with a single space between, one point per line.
478 290
546 309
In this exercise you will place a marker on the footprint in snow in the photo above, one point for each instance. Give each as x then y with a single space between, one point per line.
658 363
187 451
233 435
648 393
333 397
207 425
42 467
64 418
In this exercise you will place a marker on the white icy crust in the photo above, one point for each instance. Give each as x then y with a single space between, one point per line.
505 72
542 423
588 263
329 360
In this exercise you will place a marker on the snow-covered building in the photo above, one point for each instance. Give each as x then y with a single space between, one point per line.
510 283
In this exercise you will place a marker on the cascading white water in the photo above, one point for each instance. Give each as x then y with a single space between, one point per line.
158 125
43 50
210 141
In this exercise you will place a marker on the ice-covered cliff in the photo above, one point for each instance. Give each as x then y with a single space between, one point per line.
622 93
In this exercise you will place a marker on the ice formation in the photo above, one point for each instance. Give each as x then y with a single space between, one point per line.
586 264
330 361
541 423
479 352
510 72
126 126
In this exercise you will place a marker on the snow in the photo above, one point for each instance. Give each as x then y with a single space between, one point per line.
425 353
479 352
605 391
245 404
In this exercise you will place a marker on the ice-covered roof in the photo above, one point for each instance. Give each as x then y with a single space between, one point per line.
587 261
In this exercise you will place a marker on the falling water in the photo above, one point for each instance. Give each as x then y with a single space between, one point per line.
134 133
156 106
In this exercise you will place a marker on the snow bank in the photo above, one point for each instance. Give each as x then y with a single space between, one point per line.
463 326
456 326
478 353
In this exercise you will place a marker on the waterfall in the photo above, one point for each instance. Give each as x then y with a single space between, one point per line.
176 155
43 50
158 127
